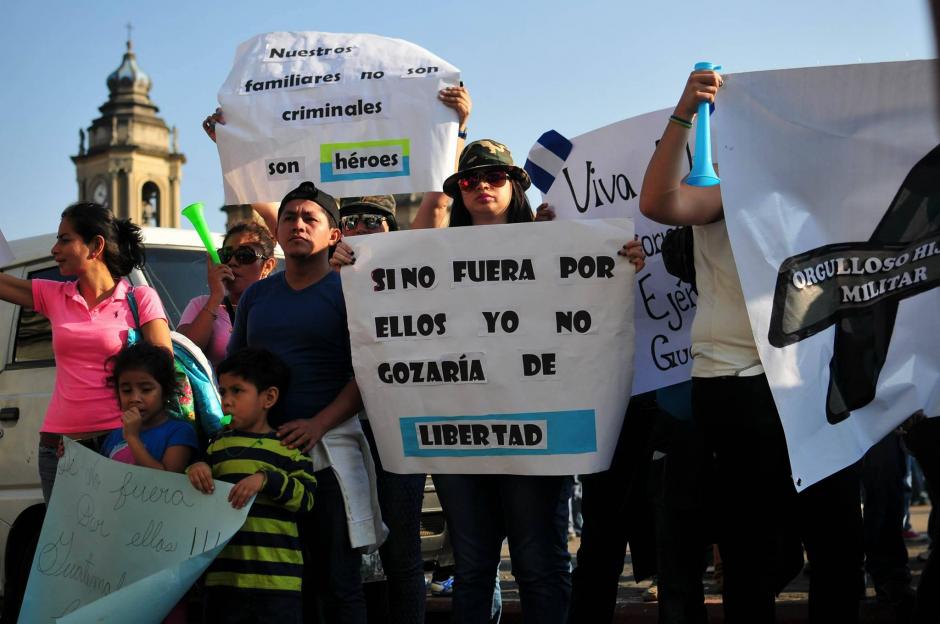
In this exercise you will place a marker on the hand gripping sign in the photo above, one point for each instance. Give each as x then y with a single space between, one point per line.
857 286
357 114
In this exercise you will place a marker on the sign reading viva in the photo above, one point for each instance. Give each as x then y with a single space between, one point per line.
346 111
597 175
472 361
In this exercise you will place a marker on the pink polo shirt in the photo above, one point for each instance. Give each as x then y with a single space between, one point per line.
82 341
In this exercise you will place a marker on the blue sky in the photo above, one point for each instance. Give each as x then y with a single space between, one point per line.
530 66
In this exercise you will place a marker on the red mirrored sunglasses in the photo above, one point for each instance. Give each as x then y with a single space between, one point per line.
495 179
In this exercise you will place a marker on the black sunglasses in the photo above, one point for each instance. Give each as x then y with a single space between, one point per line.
371 221
495 179
243 255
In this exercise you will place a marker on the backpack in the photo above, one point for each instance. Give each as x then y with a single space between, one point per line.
197 398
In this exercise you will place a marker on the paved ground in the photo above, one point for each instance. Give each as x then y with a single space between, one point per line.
631 606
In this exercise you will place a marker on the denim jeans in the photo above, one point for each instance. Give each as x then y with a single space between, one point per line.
532 512
48 461
400 497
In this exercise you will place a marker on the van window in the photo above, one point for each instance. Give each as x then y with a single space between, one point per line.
177 275
33 331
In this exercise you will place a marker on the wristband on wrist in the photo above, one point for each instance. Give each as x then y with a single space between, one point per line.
679 121
462 134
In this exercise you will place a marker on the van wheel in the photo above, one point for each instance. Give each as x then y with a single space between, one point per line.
21 547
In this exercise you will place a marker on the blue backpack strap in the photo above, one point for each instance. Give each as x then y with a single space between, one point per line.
133 334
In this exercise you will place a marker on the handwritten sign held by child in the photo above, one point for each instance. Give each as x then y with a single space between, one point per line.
117 537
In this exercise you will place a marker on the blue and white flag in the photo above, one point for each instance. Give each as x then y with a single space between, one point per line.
546 159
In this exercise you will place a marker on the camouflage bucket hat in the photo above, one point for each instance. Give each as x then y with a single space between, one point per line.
371 204
485 154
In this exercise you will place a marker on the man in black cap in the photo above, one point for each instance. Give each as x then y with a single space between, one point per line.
300 315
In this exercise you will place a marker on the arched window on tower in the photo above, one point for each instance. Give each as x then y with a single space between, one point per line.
150 204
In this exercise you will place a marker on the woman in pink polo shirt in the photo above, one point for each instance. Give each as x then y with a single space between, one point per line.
90 317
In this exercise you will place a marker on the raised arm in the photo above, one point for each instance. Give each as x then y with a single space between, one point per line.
664 198
200 323
17 291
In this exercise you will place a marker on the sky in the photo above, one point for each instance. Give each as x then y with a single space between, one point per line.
530 66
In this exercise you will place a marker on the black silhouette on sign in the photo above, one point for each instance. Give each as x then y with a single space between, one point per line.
858 286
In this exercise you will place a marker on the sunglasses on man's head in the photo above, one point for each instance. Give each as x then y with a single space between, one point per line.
495 179
371 221
242 254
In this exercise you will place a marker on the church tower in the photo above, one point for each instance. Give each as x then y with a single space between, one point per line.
132 163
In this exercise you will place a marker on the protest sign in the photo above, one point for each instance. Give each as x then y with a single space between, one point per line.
598 175
831 190
501 349
122 543
357 114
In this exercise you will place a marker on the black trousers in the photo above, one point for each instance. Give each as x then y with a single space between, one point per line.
923 440
615 510
761 519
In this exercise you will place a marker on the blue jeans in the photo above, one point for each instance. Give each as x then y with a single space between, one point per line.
532 512
48 461
400 497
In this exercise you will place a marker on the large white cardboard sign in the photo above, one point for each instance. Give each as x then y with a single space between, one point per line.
503 349
598 175
357 114
831 187
122 543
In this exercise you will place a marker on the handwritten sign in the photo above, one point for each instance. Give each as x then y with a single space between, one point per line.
117 537
494 349
598 175
357 114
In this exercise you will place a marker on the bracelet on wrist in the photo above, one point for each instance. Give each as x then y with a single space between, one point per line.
679 121
214 314
462 134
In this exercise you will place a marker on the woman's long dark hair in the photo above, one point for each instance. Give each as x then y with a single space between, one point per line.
519 210
123 243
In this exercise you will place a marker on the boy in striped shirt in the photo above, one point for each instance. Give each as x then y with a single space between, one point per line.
257 576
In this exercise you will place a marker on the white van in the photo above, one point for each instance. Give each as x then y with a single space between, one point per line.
176 268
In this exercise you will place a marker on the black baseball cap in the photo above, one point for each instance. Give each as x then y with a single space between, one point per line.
307 190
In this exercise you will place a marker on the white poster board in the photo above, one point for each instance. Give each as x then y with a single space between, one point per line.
121 542
831 188
598 175
357 114
502 349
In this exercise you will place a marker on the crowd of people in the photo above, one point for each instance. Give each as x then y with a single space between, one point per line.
300 441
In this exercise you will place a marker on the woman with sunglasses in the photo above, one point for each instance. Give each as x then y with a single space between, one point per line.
247 255
482 510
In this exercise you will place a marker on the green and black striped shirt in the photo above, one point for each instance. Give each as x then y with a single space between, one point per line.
266 553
